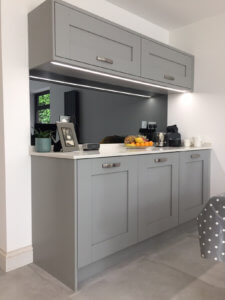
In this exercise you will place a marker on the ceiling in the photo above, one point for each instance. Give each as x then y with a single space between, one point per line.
172 14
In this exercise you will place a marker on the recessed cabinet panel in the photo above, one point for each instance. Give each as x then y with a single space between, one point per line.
85 39
161 203
107 207
166 65
157 194
194 183
194 177
109 193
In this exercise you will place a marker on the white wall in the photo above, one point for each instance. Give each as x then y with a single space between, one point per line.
203 112
16 112
2 164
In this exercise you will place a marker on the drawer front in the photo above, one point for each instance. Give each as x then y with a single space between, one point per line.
85 39
166 65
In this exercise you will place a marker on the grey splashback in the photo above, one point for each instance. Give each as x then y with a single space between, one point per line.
103 113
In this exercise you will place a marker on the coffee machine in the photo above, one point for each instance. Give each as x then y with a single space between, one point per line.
148 129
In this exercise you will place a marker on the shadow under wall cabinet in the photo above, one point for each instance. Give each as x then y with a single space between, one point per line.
78 38
85 211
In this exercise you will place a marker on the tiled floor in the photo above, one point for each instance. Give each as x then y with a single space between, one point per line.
170 269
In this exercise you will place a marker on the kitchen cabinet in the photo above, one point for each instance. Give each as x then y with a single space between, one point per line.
80 40
107 207
194 185
87 207
157 194
167 65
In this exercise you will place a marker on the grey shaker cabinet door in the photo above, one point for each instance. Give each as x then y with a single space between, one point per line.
194 186
86 39
107 207
157 194
166 65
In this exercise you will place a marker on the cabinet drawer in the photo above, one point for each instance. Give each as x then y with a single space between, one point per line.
166 65
83 38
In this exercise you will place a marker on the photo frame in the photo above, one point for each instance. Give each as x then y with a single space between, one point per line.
64 119
67 137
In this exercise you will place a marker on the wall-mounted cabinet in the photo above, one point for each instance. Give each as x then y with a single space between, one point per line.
160 62
88 40
69 35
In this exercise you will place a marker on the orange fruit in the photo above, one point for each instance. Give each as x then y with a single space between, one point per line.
138 144
151 143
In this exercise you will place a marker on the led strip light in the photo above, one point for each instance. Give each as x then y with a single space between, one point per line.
88 86
117 77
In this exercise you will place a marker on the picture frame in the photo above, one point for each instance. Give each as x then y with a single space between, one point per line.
67 137
64 119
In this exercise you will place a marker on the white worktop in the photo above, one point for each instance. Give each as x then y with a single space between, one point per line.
110 150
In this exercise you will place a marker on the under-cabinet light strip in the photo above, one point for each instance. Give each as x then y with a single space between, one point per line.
118 77
88 86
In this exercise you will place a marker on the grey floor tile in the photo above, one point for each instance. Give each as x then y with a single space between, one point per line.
146 280
31 283
171 269
185 256
199 290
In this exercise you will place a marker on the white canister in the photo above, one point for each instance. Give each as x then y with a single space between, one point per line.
197 141
187 143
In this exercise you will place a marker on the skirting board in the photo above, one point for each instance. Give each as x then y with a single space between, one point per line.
15 259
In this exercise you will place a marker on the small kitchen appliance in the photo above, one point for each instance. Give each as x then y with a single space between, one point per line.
173 137
90 147
160 139
148 129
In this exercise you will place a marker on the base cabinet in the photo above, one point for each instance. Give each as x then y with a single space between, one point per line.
157 194
123 200
85 211
194 186
107 207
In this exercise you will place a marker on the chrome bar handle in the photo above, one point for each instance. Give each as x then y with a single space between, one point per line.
113 165
104 59
195 155
169 77
159 160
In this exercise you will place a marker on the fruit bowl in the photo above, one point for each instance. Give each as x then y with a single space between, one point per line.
130 146
137 142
